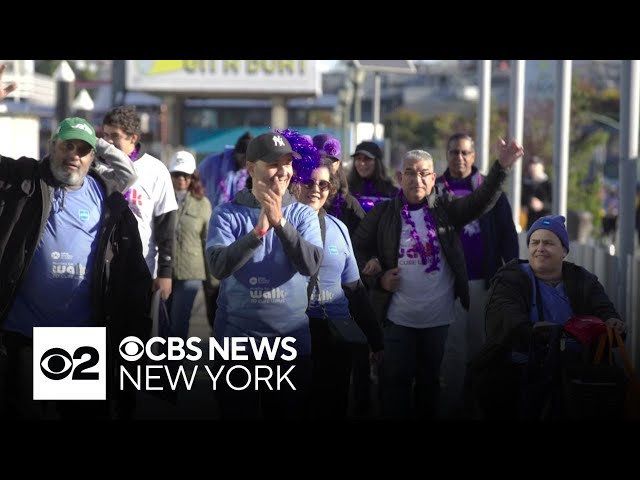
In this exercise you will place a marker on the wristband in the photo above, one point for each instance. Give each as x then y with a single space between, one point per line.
260 232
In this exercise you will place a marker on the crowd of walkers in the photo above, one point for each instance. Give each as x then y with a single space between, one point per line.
404 293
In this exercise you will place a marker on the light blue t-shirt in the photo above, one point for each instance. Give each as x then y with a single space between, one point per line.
266 297
338 267
56 291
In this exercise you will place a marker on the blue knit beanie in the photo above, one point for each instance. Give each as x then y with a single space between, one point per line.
553 223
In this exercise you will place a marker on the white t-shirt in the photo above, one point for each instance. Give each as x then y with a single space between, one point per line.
152 195
423 299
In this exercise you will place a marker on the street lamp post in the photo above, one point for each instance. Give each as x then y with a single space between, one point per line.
65 81
357 76
345 95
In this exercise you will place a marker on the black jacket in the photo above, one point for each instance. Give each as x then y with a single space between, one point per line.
507 313
121 283
379 235
492 382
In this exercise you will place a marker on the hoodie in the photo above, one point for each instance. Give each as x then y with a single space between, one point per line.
263 289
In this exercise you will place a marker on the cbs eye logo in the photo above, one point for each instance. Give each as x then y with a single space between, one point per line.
131 349
57 363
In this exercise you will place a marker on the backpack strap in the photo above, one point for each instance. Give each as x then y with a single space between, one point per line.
538 299
323 232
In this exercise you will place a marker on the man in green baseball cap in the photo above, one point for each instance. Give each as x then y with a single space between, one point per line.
69 243
76 128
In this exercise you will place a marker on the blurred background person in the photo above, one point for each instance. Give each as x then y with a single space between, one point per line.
192 225
368 179
151 198
536 192
342 204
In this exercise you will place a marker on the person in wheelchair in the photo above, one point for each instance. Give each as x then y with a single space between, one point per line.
529 303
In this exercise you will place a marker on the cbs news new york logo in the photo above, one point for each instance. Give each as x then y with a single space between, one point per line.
69 363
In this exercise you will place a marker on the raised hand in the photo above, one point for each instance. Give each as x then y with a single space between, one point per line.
5 90
509 153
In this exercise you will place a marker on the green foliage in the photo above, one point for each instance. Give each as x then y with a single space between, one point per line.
407 128
583 193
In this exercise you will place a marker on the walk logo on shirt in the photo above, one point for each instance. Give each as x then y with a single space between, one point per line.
267 295
323 296
68 270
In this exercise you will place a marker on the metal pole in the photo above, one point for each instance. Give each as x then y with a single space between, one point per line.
65 83
516 122
629 122
376 104
561 138
484 114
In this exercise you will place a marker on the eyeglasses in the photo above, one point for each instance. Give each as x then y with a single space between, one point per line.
177 175
421 174
323 185
456 152
81 148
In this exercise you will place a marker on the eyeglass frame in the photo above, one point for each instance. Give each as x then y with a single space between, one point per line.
309 182
421 173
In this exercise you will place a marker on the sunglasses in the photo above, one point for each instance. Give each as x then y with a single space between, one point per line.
465 153
323 185
82 149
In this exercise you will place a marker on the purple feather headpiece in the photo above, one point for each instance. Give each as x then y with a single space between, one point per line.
309 157
327 145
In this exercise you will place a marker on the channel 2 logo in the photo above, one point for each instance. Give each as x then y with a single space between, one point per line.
69 363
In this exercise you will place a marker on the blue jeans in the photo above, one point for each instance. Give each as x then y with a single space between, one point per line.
411 354
183 294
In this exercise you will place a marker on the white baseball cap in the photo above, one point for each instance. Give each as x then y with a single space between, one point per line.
182 161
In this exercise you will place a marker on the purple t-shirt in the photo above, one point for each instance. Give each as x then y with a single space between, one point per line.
470 236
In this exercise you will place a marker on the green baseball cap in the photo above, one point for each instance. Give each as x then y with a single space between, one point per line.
76 128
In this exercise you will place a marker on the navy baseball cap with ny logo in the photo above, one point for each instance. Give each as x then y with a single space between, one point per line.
269 147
